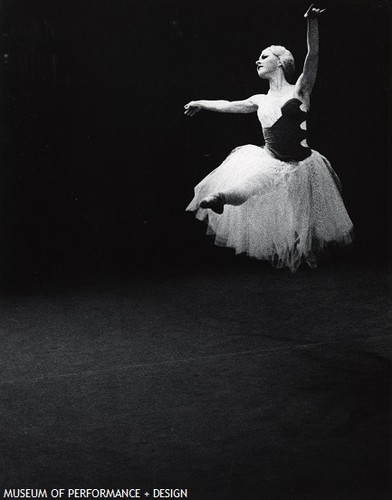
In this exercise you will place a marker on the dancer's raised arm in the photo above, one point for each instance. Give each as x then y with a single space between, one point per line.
221 106
305 83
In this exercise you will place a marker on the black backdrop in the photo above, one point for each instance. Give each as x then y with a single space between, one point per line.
98 161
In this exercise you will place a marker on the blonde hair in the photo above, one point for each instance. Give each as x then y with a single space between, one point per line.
287 60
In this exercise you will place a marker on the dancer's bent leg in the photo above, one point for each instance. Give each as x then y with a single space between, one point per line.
217 201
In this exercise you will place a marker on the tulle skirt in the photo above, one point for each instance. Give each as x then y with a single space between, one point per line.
284 212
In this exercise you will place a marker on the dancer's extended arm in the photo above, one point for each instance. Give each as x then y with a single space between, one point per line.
305 83
221 106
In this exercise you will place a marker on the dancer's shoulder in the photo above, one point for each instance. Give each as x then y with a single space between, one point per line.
257 99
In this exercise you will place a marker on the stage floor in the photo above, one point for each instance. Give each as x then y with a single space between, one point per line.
235 382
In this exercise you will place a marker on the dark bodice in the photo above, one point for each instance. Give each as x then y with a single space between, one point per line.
283 138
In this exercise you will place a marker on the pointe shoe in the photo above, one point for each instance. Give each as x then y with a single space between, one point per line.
215 202
311 260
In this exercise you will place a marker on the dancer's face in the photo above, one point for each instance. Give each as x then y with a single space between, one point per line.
267 63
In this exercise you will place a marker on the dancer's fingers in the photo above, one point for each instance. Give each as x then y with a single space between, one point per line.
309 9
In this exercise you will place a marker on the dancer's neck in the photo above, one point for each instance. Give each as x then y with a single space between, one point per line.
278 84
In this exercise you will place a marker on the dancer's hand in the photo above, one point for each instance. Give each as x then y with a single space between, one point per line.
313 13
192 108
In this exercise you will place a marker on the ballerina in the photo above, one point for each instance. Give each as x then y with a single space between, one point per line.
281 202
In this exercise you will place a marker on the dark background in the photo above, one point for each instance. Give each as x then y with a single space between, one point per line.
98 161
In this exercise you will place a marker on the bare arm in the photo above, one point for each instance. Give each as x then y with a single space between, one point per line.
221 106
305 83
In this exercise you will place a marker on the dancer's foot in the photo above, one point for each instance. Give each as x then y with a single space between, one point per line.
215 202
311 260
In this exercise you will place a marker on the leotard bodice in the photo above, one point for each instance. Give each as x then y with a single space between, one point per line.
285 139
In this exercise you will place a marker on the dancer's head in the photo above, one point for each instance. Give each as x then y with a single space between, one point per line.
274 58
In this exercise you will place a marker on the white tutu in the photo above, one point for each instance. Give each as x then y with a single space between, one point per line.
291 209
